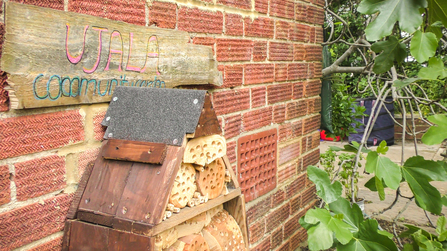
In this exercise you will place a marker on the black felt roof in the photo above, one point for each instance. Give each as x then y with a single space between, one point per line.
152 114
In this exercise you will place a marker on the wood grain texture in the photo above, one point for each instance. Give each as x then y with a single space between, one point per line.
96 217
66 237
234 182
122 241
236 208
72 211
60 58
86 236
136 151
208 123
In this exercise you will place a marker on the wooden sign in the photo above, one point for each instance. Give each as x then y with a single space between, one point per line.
60 58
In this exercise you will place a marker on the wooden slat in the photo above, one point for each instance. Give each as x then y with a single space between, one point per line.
236 208
148 187
105 187
72 211
86 236
208 123
122 241
144 152
235 182
66 237
97 218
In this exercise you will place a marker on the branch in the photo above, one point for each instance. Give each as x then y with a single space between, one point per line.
340 69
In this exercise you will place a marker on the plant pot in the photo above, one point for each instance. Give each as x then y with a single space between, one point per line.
361 204
323 136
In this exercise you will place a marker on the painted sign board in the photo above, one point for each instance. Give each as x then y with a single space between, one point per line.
60 58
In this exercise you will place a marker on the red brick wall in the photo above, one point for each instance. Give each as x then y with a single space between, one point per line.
269 53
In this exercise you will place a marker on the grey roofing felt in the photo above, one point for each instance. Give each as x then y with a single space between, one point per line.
152 114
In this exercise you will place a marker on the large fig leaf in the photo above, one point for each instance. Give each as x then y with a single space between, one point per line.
434 70
437 11
441 228
352 215
327 191
368 238
405 12
384 169
436 134
390 51
423 45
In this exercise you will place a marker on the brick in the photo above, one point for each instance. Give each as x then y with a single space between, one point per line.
234 25
260 27
37 177
278 198
308 195
311 158
279 92
297 185
33 222
258 210
234 50
301 12
279 113
282 30
259 51
53 245
315 15
311 124
259 73
282 8
298 90
290 130
4 97
98 129
315 70
231 101
312 35
314 53
85 158
36 133
280 72
263 246
163 15
313 141
280 51
299 52
257 118
314 105
53 4
258 95
286 173
319 38
299 33
132 11
240 4
298 238
284 247
297 71
277 217
296 109
196 20
277 237
5 191
289 152
233 126
256 231
232 75
231 151
262 6
207 41
295 205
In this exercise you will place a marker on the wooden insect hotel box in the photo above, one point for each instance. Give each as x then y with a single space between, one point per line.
162 180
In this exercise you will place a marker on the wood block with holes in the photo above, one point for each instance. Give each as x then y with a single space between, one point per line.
184 186
194 243
204 150
212 180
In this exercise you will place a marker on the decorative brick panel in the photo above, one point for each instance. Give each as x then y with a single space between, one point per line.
262 6
234 25
163 15
36 133
282 8
232 75
258 96
255 119
231 151
290 130
279 113
53 4
289 152
33 222
297 185
296 109
282 29
257 163
298 90
5 191
196 20
280 72
241 4
259 51
311 124
207 41
256 231
279 92
311 158
280 51
258 210
233 126
259 73
132 11
53 245
277 237
231 101
277 217
234 50
37 177
297 71
260 27
286 173
85 158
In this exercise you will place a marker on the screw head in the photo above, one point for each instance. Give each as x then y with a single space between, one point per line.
115 98
110 135
196 101
175 141
108 118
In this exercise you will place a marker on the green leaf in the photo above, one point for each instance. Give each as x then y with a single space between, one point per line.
399 84
384 169
423 45
391 11
408 247
352 215
391 51
385 233
413 229
376 185
382 148
436 134
444 200
304 224
425 243
318 235
434 70
327 191
437 11
441 229
368 238
418 172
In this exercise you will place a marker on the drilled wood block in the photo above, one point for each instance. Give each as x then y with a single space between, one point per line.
194 243
204 150
184 186
212 180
